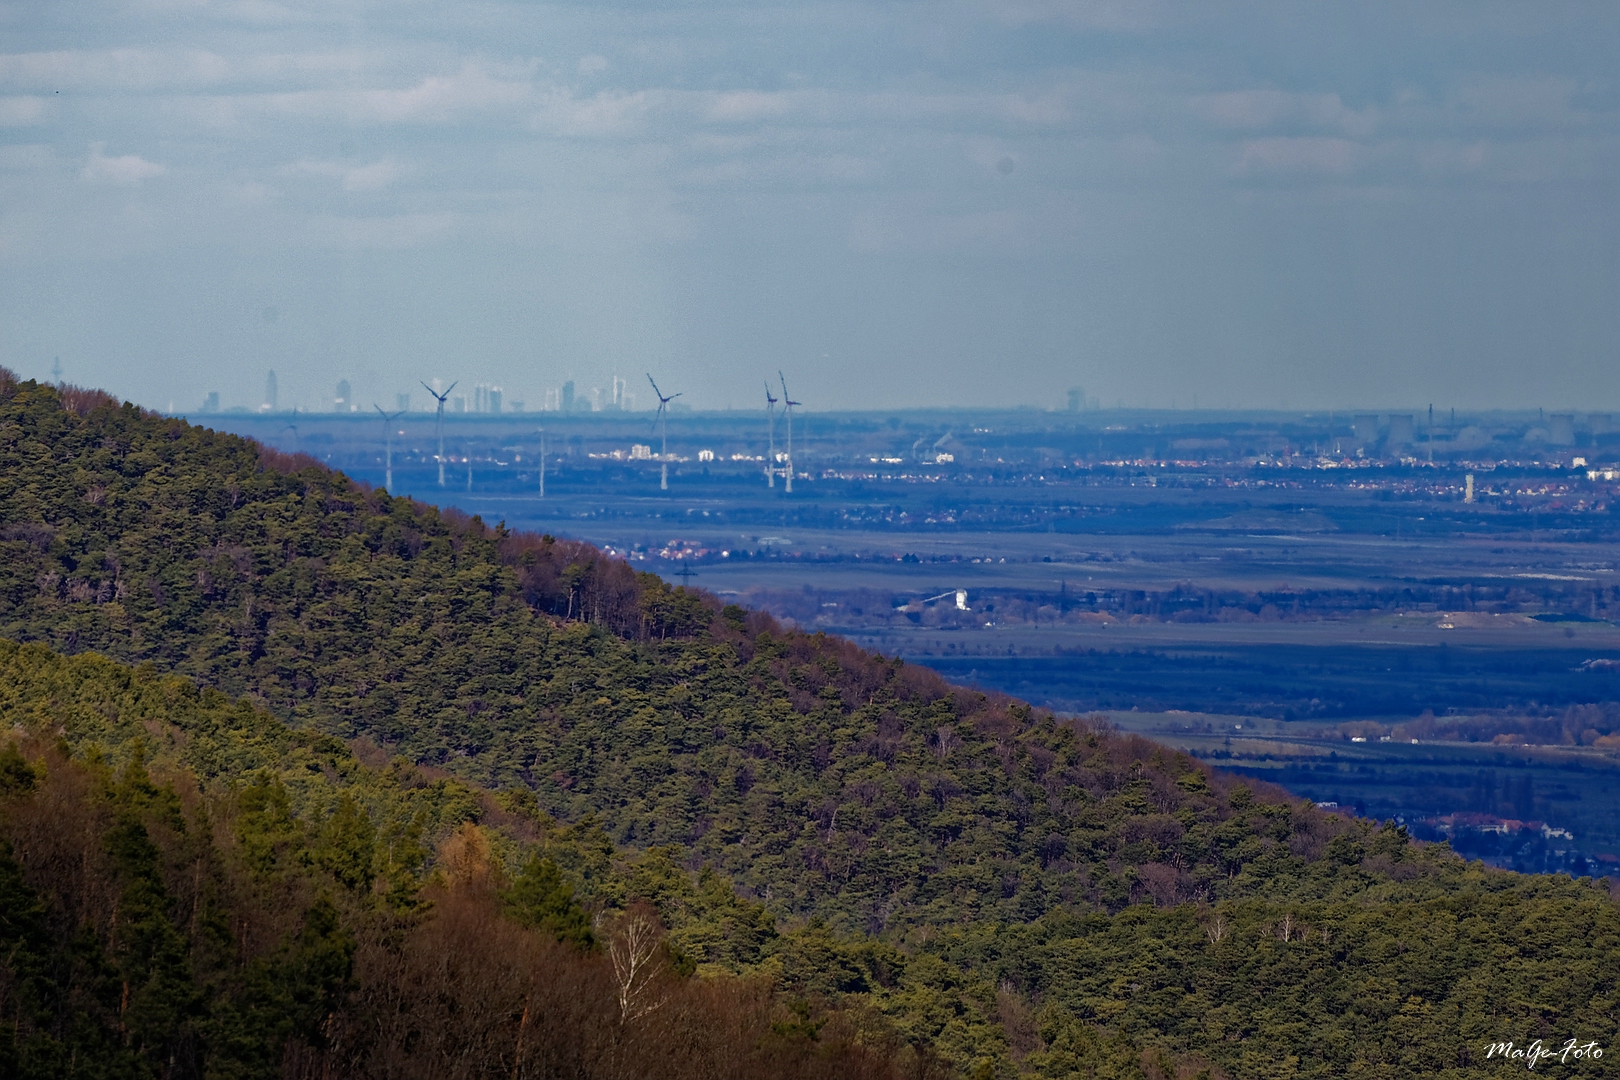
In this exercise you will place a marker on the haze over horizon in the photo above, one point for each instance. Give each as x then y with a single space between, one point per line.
1343 206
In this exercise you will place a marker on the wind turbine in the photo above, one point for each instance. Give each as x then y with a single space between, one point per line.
438 423
662 420
787 407
542 463
388 442
770 459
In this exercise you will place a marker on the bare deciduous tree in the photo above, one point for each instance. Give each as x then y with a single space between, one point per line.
635 945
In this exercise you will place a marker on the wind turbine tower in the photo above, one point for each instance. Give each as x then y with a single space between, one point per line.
438 422
770 457
542 463
388 444
662 420
787 407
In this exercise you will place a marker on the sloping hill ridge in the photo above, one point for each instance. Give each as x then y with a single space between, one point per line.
820 777
1109 880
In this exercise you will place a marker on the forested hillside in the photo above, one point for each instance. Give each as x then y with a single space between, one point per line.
1023 894
824 779
189 888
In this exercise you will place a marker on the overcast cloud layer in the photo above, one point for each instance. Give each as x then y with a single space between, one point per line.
899 204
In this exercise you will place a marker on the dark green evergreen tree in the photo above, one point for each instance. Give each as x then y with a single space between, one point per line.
348 845
542 899
159 1003
16 775
265 827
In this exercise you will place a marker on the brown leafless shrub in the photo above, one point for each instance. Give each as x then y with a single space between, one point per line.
81 401
464 993
273 460
56 835
1166 884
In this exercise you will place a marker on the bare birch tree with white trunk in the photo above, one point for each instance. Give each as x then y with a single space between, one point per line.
635 945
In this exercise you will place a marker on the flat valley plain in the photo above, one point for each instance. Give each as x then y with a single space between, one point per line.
1348 627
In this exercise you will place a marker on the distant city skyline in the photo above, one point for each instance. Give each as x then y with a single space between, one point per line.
1403 421
1286 206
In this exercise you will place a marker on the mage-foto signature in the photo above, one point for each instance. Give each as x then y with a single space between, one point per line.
1535 1053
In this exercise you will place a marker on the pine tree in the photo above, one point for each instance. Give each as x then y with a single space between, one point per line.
16 775
265 826
158 1000
348 847
541 899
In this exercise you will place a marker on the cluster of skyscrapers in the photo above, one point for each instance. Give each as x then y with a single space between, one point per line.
567 399
485 398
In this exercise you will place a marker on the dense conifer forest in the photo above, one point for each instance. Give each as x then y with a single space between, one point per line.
305 779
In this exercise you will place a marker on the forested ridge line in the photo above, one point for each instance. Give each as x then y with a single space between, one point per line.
821 778
1045 895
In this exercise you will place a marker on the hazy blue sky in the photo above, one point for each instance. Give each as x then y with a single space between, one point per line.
952 202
